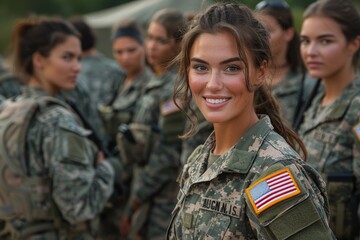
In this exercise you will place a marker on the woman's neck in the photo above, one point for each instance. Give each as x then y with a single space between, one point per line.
34 82
130 76
228 134
336 84
159 69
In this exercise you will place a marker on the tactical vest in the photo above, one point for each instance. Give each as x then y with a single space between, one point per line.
22 197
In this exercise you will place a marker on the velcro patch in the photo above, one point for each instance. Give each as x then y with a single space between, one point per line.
271 190
220 207
357 130
168 107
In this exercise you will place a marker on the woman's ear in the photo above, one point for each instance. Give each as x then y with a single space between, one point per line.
354 45
289 34
261 73
38 61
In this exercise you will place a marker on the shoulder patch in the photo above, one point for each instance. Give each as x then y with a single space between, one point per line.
272 189
168 107
357 130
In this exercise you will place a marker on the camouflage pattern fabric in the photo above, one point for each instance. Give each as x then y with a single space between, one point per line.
156 185
122 109
333 145
213 204
58 149
287 93
80 96
10 84
102 76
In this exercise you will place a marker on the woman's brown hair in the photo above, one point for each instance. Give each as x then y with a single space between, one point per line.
344 13
37 35
252 39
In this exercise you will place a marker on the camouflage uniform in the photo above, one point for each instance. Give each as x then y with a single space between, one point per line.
80 97
217 201
102 76
287 93
121 111
9 84
58 151
122 108
156 185
332 137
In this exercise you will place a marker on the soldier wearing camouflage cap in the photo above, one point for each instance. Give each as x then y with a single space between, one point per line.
246 181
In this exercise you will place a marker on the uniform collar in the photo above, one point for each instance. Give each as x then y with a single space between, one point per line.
238 159
335 110
31 91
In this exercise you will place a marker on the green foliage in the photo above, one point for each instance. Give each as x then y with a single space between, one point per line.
11 10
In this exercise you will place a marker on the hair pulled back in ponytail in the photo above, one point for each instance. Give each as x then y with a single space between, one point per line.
37 35
254 50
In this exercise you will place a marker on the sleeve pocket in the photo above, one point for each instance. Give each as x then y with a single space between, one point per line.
300 222
74 143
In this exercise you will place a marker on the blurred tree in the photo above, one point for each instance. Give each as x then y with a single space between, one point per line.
10 10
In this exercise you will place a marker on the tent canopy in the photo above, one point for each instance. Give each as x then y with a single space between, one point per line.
140 10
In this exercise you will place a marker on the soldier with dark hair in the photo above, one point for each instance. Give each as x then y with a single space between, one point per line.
100 74
157 122
330 48
54 180
246 181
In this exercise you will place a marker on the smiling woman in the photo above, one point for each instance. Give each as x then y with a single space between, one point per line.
245 181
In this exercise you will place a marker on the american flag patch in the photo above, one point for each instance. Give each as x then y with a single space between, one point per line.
271 190
357 130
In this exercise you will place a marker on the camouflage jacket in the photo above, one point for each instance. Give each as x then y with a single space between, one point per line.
332 137
102 76
10 85
287 92
58 149
237 196
122 109
148 106
164 160
156 185
81 98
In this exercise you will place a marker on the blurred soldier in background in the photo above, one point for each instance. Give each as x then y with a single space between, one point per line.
55 180
330 48
289 81
100 77
156 126
129 52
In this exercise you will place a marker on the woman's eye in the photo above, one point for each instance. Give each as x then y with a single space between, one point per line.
67 57
232 68
199 67
325 41
304 41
